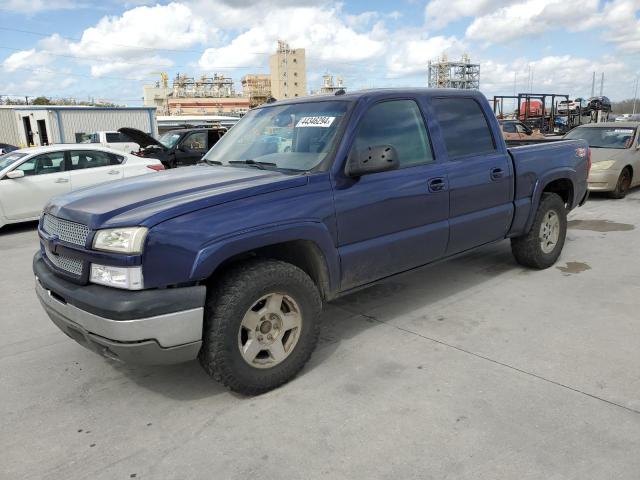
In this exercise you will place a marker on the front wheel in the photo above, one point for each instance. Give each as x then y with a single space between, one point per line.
541 247
623 184
261 325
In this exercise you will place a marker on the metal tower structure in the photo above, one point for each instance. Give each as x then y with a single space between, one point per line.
462 74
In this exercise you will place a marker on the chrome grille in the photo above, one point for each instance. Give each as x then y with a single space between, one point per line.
65 230
67 264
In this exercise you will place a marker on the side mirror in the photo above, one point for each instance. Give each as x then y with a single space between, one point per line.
15 174
528 132
379 158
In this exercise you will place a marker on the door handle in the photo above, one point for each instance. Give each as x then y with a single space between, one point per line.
437 185
496 173
62 180
113 172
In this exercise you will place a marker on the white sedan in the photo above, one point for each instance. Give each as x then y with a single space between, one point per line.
31 176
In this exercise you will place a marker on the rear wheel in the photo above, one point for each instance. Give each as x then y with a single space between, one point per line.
541 247
261 326
623 184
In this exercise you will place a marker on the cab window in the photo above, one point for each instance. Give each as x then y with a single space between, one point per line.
397 123
196 141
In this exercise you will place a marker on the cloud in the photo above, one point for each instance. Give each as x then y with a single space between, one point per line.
326 37
615 21
30 7
410 55
439 13
26 59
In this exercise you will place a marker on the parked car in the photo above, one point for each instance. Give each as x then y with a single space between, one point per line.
31 176
176 148
6 148
615 155
599 103
230 261
628 117
114 140
516 130
577 106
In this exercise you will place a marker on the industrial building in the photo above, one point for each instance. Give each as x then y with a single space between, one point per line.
461 74
24 125
257 88
190 96
328 87
288 72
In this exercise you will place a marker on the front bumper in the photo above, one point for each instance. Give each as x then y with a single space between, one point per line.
603 181
144 327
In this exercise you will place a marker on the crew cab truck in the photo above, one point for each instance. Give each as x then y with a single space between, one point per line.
231 261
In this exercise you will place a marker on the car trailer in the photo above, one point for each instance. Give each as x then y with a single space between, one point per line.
546 119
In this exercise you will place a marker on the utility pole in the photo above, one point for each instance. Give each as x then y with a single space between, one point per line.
593 84
27 99
601 83
635 96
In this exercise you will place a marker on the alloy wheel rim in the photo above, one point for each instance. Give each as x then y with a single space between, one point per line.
549 231
269 330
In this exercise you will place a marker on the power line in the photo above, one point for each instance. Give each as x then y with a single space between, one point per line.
138 64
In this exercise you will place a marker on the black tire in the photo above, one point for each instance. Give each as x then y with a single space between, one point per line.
623 184
527 249
230 298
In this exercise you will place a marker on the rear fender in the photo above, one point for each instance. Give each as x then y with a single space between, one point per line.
551 176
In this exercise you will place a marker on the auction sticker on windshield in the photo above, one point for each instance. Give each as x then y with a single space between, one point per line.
324 122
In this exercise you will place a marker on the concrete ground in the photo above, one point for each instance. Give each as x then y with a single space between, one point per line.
472 369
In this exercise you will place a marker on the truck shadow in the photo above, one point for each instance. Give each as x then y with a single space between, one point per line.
349 316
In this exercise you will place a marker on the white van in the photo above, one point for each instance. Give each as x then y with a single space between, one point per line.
114 140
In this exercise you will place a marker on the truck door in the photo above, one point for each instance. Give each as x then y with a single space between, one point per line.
192 148
392 221
479 172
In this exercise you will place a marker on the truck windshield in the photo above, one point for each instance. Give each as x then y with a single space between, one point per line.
603 137
169 139
290 137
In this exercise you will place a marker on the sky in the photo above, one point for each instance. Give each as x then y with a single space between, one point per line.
108 49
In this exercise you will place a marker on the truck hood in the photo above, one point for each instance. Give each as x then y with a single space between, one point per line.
153 198
143 139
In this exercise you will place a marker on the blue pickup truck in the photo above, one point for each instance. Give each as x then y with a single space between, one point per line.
231 261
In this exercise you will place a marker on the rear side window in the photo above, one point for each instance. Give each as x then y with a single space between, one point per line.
464 127
397 123
81 160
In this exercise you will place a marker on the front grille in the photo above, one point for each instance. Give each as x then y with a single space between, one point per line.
65 230
65 263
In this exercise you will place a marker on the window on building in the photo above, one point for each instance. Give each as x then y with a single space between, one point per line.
397 123
464 127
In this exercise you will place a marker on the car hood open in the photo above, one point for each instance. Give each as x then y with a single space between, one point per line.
150 199
143 139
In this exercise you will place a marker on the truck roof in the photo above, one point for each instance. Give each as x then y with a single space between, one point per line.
381 94
612 125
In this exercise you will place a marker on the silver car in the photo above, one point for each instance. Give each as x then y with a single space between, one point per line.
615 155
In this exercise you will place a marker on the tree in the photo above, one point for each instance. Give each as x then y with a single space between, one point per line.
41 101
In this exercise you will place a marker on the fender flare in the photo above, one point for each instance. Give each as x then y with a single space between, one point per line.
212 255
551 176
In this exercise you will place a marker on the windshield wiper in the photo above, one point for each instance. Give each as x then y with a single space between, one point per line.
210 162
253 163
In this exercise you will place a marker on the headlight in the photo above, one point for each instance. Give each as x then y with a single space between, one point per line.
121 240
602 165
129 278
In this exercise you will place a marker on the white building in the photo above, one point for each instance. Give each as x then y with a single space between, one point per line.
23 125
